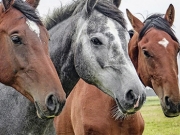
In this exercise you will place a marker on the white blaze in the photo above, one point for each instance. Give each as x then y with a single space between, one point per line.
33 27
113 30
164 42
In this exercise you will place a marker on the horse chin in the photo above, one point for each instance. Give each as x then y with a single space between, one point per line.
170 111
119 112
169 114
42 114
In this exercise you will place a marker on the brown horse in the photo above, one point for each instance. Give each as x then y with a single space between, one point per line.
88 111
25 63
153 50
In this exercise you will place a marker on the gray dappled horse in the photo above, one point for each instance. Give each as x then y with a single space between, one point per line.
92 47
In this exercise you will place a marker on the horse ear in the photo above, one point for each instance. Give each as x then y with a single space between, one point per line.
117 3
90 4
7 4
135 22
33 3
170 14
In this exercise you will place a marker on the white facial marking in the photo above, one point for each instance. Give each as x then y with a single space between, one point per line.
33 27
164 42
113 29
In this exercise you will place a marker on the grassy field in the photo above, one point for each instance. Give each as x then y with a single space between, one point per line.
155 121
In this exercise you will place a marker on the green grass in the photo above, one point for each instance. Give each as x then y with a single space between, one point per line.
155 121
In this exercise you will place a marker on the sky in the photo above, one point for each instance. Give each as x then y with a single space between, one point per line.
138 8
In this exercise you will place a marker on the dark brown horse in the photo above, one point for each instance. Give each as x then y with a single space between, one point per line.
153 50
88 111
25 63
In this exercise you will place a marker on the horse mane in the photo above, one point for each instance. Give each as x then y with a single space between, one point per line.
62 13
157 21
27 10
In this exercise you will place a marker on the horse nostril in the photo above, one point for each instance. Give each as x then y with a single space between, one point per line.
131 96
167 102
143 98
51 103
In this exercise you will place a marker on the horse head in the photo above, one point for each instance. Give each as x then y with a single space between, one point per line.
101 54
153 50
25 62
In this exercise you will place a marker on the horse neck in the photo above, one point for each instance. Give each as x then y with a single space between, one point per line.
18 115
61 52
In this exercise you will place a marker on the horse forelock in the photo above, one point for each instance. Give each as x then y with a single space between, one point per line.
28 11
158 22
110 10
106 8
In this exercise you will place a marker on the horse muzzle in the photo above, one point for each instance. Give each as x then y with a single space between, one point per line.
51 109
169 108
131 103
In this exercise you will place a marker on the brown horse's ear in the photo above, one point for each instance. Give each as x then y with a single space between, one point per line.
33 3
170 14
117 3
133 49
7 4
135 22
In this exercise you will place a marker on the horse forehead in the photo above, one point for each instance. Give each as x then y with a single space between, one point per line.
159 37
119 33
111 28
33 27
11 19
97 23
164 42
10 16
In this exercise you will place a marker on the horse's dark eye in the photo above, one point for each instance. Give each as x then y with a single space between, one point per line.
16 39
96 41
146 53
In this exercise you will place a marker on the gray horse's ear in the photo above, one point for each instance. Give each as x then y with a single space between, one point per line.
170 14
7 4
33 3
90 4
117 3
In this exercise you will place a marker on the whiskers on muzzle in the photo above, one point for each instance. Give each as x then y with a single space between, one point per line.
117 113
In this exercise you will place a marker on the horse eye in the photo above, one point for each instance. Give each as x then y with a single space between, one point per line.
146 53
16 39
96 41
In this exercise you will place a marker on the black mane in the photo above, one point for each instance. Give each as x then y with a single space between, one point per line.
157 21
27 10
62 13
110 10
